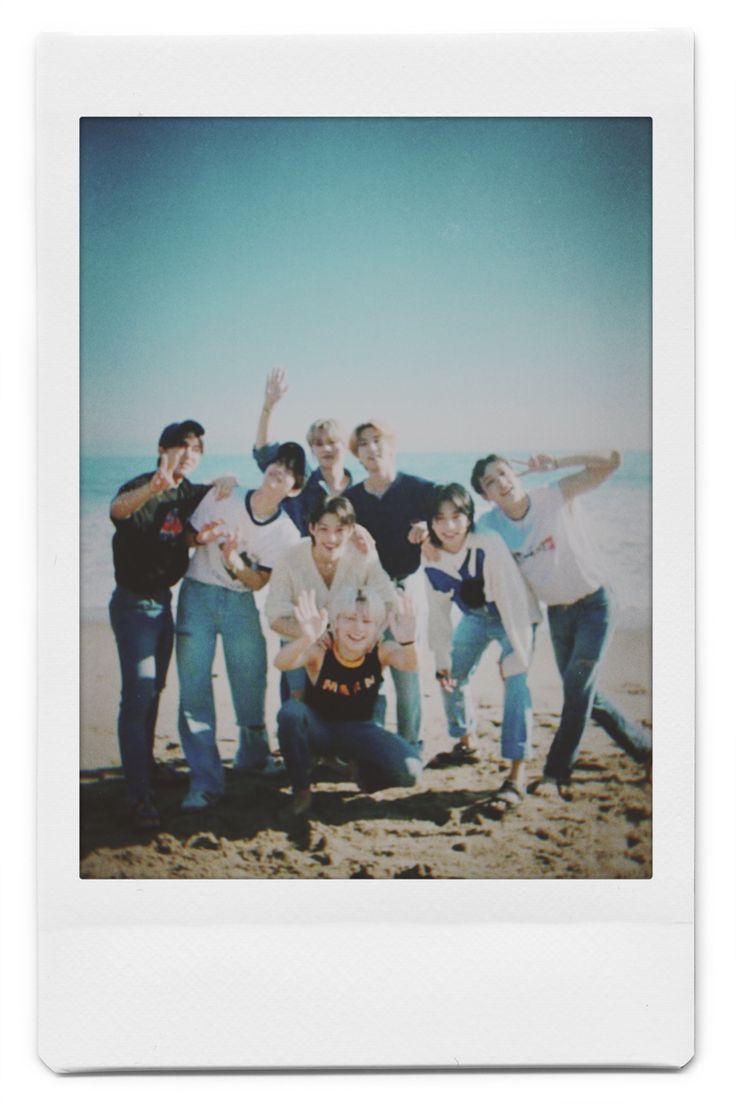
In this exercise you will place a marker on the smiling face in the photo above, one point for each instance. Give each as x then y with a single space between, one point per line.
279 479
187 455
356 632
374 450
450 525
331 536
328 450
500 484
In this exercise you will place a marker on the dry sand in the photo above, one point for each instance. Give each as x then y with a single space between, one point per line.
437 830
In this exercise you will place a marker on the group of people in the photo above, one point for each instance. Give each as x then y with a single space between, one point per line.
336 555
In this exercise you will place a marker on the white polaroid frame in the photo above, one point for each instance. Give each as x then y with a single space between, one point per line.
300 974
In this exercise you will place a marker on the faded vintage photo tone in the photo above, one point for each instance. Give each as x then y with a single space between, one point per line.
455 312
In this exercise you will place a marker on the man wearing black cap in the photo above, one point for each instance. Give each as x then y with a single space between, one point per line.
151 553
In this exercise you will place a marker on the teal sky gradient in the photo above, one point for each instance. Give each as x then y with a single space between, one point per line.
478 283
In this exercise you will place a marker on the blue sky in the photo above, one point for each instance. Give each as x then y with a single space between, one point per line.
478 283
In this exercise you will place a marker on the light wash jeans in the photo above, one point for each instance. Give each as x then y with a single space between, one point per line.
204 611
580 634
144 633
408 704
384 759
473 633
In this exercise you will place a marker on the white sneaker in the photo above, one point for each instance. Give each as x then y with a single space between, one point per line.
197 801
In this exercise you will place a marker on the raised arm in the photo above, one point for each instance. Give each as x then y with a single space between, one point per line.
276 388
128 503
401 652
304 651
597 466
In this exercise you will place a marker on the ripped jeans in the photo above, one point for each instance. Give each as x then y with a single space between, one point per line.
204 611
580 634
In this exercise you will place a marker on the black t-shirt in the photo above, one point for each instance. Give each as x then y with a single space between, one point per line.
149 548
345 692
389 518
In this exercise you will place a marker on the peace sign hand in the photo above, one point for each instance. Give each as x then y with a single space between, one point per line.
402 620
541 463
163 478
313 622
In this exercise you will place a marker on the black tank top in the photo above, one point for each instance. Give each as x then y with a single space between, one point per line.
345 692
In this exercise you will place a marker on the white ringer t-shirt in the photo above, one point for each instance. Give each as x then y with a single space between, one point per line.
262 542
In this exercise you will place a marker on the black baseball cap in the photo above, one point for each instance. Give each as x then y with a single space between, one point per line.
177 433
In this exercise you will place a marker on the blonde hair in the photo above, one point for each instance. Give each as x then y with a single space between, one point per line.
350 599
380 428
325 426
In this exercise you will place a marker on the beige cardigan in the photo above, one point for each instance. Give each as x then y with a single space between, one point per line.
296 571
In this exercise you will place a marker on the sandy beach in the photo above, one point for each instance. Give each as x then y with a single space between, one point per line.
437 830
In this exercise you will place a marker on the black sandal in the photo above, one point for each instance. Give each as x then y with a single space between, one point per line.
508 797
458 757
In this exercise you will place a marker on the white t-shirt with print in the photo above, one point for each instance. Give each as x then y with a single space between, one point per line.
263 542
550 545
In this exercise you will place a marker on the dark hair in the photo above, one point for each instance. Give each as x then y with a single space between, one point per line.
341 507
177 432
479 468
457 496
294 459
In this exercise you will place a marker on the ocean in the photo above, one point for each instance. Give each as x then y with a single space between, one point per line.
619 515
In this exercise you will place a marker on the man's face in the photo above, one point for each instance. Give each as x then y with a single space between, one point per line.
500 484
374 451
331 536
450 526
279 478
356 633
185 457
328 449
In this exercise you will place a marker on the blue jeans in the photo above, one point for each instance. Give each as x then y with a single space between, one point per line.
580 634
292 683
204 611
144 633
474 632
383 758
408 704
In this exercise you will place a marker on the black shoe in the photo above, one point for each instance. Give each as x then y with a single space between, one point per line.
145 815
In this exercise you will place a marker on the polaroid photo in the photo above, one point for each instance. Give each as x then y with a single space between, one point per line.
370 362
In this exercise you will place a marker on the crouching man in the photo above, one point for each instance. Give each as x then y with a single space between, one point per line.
343 680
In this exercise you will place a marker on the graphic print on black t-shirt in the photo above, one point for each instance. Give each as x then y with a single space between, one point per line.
149 548
172 526
346 691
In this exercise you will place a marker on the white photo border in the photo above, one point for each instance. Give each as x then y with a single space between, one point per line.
411 973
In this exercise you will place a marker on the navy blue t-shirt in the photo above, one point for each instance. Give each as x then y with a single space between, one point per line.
389 518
